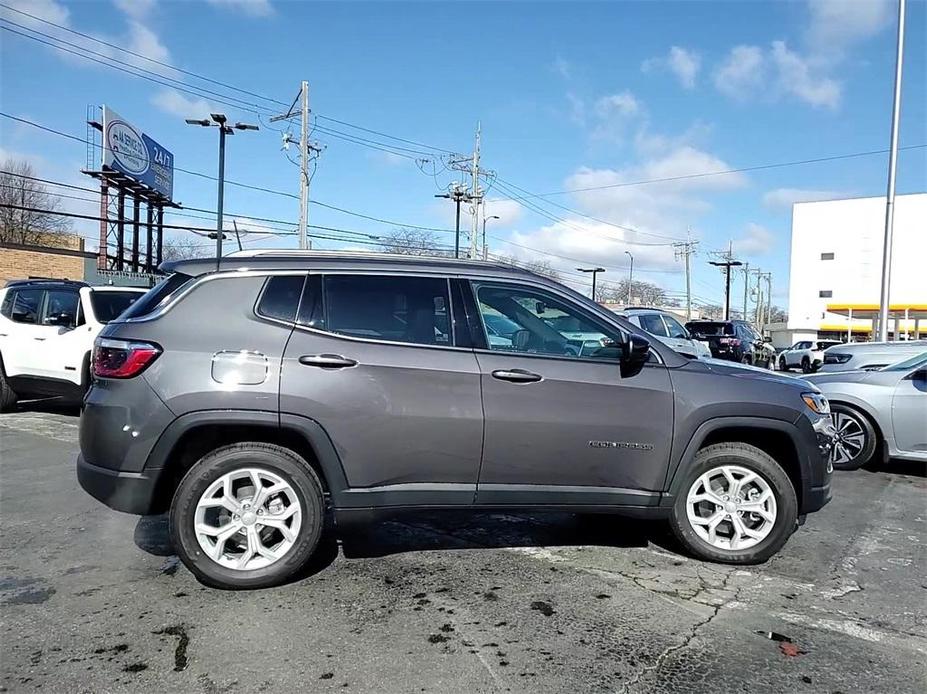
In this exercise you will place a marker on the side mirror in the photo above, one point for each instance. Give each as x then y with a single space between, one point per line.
634 354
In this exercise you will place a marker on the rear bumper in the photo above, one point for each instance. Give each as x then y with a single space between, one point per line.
130 492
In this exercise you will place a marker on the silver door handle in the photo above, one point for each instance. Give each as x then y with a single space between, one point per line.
517 376
327 361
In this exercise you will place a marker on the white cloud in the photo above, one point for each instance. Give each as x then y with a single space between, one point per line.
173 102
683 63
796 76
741 73
563 67
784 198
757 240
509 211
49 10
836 24
252 8
577 109
135 8
623 104
144 41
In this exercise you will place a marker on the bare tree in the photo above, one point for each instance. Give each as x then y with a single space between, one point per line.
184 247
778 315
404 241
642 293
541 267
17 189
711 311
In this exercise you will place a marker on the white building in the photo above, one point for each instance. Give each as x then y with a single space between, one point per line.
836 269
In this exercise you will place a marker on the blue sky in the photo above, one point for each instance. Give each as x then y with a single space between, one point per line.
570 95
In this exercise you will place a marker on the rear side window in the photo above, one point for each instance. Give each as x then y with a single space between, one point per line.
158 295
652 323
6 308
280 298
394 309
61 307
107 306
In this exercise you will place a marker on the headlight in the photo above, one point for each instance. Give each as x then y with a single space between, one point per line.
817 402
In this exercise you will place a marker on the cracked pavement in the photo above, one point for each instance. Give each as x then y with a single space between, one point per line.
95 601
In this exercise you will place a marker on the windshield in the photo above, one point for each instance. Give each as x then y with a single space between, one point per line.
914 362
108 305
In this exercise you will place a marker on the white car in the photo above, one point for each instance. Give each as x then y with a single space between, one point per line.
664 326
47 329
807 355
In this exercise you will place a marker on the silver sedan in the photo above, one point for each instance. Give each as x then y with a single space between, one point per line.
881 412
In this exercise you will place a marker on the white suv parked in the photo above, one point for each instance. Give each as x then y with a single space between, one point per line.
47 329
808 355
664 326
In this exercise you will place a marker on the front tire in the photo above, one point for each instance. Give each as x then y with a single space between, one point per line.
248 515
783 365
856 438
736 506
805 365
8 396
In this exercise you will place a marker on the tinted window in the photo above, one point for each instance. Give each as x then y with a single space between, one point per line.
157 296
802 345
61 307
675 328
280 298
543 324
107 306
26 305
710 328
310 306
6 308
653 324
395 309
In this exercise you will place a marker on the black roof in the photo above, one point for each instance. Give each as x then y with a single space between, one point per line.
38 282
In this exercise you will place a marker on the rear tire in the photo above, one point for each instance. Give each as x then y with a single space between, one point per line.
8 396
856 438
202 500
762 527
783 365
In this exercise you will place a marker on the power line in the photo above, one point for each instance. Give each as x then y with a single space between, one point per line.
382 134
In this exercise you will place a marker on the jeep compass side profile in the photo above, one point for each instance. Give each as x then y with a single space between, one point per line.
253 400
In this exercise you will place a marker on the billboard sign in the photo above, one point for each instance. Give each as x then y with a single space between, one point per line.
131 152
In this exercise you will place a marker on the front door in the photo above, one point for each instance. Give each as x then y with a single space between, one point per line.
562 426
909 412
373 360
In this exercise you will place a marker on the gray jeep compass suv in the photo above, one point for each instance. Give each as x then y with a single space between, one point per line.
253 400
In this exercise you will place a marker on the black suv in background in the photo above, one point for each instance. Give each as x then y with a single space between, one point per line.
734 340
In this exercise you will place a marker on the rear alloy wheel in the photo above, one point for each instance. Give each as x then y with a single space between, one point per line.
248 515
737 506
855 442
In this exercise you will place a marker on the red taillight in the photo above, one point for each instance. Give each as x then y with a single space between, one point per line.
121 358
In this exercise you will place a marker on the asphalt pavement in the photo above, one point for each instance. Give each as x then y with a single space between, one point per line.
92 600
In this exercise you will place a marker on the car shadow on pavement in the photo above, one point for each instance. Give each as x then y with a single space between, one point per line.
451 530
911 468
49 406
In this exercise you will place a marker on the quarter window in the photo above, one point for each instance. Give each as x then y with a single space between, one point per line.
524 320
280 298
394 309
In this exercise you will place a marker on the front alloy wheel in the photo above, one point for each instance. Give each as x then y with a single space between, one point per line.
855 440
731 507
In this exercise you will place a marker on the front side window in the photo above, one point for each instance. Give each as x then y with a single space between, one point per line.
653 324
26 305
525 320
394 309
675 329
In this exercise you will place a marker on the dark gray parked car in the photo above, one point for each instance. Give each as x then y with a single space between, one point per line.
253 401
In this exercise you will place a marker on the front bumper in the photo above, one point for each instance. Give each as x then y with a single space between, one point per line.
130 492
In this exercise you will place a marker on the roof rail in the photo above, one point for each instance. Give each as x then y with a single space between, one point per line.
38 281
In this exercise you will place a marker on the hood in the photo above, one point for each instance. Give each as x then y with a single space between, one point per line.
729 368
856 376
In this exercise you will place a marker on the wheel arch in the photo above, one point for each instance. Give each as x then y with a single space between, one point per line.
775 437
191 436
865 410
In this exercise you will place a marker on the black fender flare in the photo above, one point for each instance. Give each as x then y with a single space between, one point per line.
308 429
676 473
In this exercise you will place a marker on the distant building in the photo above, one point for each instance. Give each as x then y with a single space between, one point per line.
836 269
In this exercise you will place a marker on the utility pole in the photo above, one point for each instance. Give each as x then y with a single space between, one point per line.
768 298
685 249
306 150
746 287
758 312
476 194
890 195
458 194
630 275
727 264
593 271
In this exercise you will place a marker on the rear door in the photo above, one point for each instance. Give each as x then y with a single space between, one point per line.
562 427
60 355
375 362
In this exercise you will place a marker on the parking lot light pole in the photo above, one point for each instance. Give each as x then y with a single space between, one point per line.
727 265
485 247
594 271
220 121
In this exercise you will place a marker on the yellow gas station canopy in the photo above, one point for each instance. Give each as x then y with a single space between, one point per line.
870 311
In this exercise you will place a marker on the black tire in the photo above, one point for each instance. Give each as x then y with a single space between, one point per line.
805 365
8 396
857 422
746 359
280 461
783 365
755 460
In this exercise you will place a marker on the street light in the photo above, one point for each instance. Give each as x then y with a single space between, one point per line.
630 276
220 121
595 271
485 247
